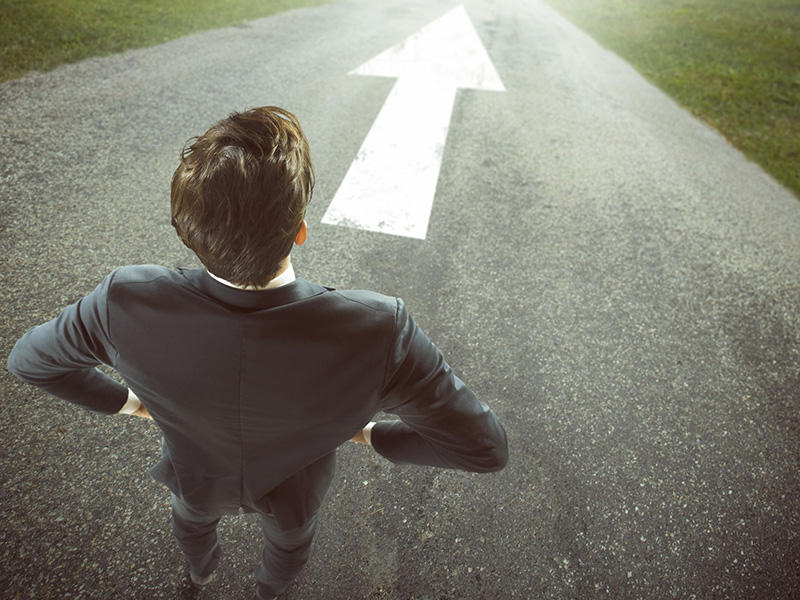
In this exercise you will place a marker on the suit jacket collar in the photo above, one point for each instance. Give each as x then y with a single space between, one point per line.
299 289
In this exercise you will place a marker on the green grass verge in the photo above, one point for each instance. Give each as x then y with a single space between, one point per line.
733 63
42 34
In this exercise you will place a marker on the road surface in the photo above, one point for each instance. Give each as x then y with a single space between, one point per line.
608 273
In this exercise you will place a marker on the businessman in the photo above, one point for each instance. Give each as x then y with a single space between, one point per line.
256 377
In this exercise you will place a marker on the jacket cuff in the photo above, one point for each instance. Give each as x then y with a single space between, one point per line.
131 405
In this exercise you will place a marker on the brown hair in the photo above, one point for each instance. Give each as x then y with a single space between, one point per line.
239 195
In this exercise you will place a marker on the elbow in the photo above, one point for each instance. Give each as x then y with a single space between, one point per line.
492 458
493 455
20 364
497 458
13 364
498 451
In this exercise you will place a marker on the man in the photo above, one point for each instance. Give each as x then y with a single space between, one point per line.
253 376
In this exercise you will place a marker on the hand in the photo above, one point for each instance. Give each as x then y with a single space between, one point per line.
142 412
365 435
359 438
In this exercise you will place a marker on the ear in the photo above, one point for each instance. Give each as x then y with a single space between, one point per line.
301 236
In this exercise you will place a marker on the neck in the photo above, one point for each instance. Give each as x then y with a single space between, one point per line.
284 275
285 266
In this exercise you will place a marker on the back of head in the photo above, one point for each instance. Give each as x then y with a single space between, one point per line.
240 193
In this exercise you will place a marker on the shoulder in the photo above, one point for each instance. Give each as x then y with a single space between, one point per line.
144 279
367 299
142 274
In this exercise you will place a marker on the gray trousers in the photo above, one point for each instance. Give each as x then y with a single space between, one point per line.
285 553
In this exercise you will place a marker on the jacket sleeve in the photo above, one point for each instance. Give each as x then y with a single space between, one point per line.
442 423
61 355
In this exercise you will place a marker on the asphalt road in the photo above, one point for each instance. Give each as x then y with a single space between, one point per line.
613 278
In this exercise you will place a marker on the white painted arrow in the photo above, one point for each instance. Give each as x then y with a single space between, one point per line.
390 185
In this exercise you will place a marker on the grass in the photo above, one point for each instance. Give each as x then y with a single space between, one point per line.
733 63
42 34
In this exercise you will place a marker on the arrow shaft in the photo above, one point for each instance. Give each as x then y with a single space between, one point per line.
390 186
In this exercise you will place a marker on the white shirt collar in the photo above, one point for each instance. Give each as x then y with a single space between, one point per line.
287 276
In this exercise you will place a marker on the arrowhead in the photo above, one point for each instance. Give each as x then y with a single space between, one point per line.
447 50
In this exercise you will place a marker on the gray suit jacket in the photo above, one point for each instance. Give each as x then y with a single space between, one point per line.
255 390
